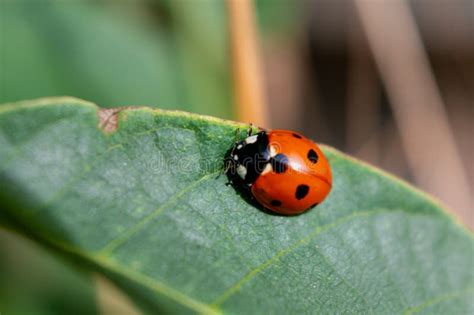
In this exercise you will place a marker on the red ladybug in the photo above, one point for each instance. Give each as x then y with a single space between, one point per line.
284 171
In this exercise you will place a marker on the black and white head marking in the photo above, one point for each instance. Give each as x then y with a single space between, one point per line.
250 157
253 157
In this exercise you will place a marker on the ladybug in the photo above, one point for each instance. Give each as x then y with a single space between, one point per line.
284 171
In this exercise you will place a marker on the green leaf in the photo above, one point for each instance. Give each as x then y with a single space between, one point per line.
140 200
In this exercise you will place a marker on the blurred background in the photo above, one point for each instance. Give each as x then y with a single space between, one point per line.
389 82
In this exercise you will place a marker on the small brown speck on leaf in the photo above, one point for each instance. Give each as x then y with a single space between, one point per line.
108 118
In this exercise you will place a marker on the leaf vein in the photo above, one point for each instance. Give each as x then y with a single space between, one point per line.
126 235
318 230
346 282
439 299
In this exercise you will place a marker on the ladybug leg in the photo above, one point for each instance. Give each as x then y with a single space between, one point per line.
250 130
228 164
224 170
236 136
229 182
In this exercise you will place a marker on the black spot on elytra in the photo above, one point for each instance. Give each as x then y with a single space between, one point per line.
301 191
279 163
312 156
275 203
296 135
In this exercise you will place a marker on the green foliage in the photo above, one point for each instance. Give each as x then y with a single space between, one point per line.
144 205
34 282
280 17
167 54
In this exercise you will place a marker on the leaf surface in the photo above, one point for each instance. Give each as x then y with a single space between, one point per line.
143 203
